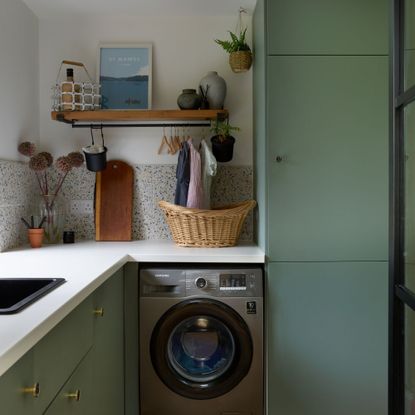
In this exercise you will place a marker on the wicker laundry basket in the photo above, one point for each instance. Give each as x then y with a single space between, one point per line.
213 228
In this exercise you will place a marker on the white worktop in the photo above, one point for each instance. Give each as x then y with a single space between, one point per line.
85 266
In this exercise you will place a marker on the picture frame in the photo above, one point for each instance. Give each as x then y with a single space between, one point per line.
124 72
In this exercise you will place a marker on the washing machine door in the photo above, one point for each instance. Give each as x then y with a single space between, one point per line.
201 348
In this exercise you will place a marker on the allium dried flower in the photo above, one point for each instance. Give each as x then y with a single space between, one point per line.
76 158
63 164
38 163
27 148
47 156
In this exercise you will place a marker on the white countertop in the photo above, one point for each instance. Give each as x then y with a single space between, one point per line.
85 266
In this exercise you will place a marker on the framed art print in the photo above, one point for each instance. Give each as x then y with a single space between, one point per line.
124 73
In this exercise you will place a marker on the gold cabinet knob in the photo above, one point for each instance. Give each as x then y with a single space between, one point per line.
74 395
33 390
99 312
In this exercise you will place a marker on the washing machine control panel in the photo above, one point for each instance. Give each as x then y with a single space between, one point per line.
229 283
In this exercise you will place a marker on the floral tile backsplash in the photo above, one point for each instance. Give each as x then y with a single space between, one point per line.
18 190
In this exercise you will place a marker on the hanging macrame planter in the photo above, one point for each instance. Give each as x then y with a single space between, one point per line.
240 61
240 55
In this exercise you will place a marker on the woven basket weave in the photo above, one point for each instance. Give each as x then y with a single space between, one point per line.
213 228
240 61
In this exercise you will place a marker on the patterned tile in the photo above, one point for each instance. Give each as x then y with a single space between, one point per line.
12 231
152 183
17 183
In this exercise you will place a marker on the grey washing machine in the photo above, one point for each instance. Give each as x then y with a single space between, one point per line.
201 341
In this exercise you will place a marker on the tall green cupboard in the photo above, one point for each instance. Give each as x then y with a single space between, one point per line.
321 180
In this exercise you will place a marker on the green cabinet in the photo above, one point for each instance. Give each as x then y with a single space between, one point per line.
17 388
84 352
76 395
321 27
108 349
327 338
328 123
60 351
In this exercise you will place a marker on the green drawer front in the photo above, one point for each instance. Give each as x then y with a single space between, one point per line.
13 400
108 350
327 338
328 117
58 354
336 27
66 402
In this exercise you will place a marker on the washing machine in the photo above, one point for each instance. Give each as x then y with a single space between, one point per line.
201 340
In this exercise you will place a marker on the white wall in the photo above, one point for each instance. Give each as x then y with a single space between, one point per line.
19 112
183 52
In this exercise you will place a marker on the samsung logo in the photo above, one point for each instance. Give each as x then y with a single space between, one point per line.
162 275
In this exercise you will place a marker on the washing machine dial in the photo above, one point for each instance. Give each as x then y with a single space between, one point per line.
200 282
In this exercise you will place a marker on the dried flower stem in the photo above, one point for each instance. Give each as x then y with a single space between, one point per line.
39 182
46 183
58 187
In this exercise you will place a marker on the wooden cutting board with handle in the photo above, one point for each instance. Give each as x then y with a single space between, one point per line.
114 202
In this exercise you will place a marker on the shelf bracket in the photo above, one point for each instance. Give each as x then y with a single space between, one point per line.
61 117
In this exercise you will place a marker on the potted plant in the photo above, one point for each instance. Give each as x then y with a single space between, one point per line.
222 141
240 55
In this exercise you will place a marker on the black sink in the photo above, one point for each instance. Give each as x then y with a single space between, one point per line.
18 293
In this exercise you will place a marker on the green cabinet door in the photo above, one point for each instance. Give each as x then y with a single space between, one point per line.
15 395
60 351
327 338
108 349
335 27
328 191
75 397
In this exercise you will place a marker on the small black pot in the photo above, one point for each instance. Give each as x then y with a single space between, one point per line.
222 150
96 161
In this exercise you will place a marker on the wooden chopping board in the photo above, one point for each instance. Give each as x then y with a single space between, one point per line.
114 202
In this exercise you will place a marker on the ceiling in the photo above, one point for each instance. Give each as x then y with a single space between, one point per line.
56 8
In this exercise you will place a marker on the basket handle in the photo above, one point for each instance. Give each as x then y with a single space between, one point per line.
74 63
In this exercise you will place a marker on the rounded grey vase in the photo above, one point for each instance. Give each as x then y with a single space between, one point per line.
189 100
214 87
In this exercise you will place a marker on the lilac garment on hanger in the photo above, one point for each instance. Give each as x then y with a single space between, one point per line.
182 176
195 195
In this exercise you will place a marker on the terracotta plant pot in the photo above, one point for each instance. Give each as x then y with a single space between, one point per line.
35 236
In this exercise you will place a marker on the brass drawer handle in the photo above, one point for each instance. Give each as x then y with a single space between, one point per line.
99 312
34 390
74 395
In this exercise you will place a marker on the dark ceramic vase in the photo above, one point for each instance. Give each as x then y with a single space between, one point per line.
189 100
222 150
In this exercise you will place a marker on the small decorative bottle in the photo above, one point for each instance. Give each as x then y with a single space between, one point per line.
69 92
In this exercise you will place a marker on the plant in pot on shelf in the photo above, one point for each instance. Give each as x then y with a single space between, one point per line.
240 55
50 206
223 141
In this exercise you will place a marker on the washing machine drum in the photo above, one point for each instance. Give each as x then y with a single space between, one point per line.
201 348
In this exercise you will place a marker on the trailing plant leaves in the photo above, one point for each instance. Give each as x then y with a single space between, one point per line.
235 44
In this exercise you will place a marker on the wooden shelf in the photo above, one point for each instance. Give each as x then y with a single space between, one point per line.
103 116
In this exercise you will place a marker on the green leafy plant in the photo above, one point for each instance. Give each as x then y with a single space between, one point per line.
236 44
223 130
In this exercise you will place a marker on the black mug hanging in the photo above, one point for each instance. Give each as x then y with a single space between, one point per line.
95 155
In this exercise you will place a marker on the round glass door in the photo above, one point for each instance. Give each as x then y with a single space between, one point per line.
201 348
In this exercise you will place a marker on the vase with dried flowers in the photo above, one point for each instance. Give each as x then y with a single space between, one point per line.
51 204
